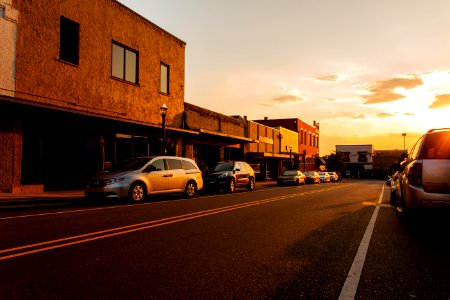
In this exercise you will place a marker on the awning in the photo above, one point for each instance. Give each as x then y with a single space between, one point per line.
226 137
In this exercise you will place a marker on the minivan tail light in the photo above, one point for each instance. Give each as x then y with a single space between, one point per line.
415 174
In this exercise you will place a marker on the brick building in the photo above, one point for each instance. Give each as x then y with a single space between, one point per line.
307 156
272 151
219 138
80 90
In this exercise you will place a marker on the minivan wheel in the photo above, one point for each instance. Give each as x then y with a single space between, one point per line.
191 189
137 192
251 184
231 186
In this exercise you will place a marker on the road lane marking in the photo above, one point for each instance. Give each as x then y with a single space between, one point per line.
351 283
88 237
122 206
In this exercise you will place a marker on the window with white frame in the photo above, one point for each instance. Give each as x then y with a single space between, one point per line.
164 85
125 62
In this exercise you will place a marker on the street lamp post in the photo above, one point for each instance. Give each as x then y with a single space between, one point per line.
304 160
404 137
290 157
163 111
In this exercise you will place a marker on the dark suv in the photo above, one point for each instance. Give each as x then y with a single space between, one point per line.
425 180
230 175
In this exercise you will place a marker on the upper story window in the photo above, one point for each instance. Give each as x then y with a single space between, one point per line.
69 40
124 63
164 86
362 156
345 156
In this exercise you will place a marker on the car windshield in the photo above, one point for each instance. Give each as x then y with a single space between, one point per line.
224 167
290 173
132 164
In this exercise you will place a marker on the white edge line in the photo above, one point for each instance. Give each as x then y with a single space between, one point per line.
351 283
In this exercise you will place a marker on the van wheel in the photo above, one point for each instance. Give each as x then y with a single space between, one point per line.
137 192
191 189
231 186
251 184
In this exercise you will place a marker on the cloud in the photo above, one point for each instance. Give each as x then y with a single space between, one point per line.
440 101
332 77
285 99
384 91
384 115
289 99
359 116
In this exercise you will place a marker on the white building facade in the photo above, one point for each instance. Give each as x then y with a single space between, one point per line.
358 159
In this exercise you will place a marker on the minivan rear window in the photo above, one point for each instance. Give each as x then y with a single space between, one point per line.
174 164
436 146
187 165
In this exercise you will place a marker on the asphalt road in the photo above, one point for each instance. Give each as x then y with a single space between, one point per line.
323 241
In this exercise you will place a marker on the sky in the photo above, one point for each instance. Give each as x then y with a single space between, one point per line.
365 70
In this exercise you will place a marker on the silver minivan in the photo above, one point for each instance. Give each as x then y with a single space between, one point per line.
139 177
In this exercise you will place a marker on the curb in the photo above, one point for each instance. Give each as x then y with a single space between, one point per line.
45 197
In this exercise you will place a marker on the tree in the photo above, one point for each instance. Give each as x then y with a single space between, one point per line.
334 163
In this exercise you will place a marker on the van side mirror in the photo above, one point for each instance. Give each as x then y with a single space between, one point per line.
403 164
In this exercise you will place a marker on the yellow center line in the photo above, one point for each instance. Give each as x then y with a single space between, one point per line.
83 238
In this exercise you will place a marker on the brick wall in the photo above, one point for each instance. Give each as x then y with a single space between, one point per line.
201 118
88 86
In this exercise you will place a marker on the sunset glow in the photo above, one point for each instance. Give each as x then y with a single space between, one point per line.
367 71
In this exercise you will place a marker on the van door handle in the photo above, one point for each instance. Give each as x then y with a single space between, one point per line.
168 175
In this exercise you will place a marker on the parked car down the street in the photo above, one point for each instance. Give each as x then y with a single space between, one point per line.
312 177
425 180
334 177
291 177
139 177
324 177
230 175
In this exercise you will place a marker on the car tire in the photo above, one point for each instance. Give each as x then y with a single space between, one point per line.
137 193
190 190
251 184
393 199
231 186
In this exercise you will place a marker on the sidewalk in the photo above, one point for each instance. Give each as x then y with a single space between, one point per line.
76 194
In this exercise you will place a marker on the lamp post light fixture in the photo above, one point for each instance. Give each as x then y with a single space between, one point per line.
163 111
404 137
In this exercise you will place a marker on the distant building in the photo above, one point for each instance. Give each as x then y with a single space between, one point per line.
307 156
358 159
267 155
386 162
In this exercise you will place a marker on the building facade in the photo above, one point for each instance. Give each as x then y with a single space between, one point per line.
358 159
80 90
218 137
307 156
